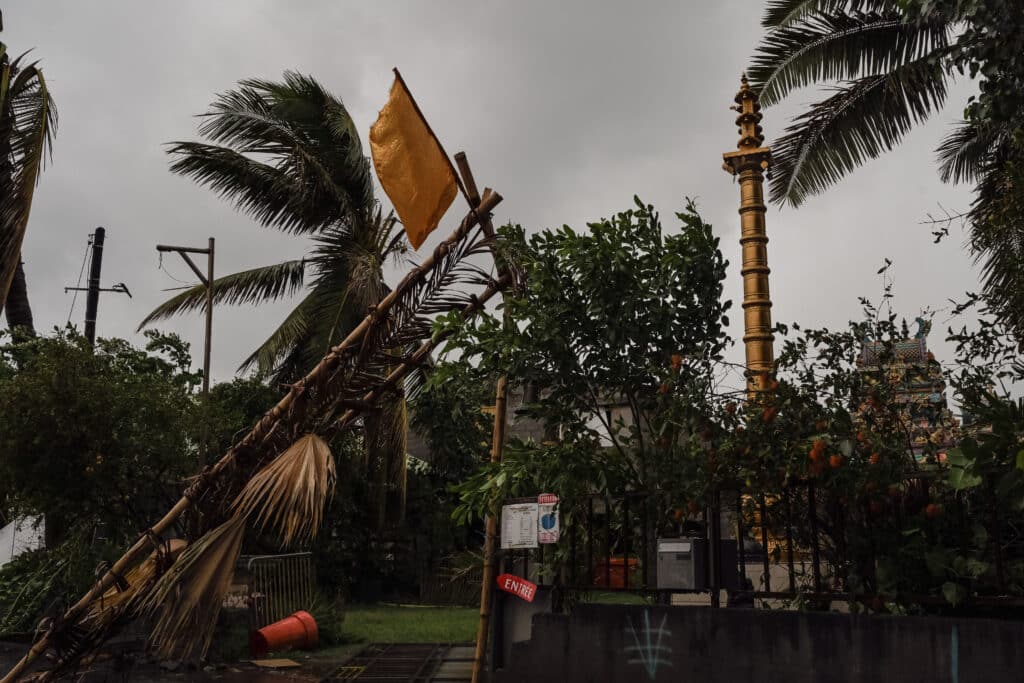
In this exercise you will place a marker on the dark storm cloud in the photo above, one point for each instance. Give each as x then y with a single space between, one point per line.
568 108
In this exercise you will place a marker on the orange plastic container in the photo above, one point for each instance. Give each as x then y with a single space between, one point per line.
617 570
297 631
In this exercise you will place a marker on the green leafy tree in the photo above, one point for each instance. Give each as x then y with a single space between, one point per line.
104 436
28 121
620 329
894 60
94 437
448 414
288 154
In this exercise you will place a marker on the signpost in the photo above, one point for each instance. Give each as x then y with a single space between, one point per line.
519 526
529 524
522 588
547 518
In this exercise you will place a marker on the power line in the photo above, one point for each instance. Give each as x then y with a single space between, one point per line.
81 271
161 266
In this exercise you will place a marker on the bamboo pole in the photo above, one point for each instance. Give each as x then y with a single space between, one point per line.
497 443
490 539
263 428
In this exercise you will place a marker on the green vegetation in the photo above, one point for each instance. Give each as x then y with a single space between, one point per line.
621 330
365 624
28 122
97 440
895 60
410 624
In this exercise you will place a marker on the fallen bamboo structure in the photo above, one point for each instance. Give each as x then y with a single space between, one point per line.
347 377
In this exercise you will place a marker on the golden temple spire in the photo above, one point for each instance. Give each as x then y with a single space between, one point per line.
750 161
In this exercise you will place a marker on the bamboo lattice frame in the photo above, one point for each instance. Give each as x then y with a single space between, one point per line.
347 382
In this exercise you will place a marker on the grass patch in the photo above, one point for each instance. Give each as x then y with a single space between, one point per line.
365 624
616 598
410 624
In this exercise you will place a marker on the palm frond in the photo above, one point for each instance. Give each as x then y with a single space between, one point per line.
269 195
292 332
29 121
138 580
859 122
963 153
289 494
187 599
780 13
839 46
254 286
307 135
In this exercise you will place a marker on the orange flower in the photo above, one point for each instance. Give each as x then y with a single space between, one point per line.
677 361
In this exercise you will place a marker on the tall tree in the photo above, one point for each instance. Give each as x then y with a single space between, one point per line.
28 121
288 154
894 60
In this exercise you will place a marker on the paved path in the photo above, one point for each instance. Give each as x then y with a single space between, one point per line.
407 663
382 663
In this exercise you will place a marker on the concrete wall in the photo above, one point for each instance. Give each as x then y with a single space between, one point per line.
680 644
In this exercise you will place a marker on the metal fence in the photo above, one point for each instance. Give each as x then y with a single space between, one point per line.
278 585
450 584
802 543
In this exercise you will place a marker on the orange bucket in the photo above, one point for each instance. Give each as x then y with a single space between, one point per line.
298 631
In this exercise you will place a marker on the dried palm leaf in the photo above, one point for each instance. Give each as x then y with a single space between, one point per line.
187 599
289 494
139 576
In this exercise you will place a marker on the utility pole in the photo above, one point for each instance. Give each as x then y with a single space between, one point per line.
207 281
92 298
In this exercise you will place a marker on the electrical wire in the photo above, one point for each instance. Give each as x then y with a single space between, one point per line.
85 257
160 266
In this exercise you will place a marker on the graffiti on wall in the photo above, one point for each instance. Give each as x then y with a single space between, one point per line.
649 647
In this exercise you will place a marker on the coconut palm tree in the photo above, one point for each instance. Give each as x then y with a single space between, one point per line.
28 121
894 61
288 154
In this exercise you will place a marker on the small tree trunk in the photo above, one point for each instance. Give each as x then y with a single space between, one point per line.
16 308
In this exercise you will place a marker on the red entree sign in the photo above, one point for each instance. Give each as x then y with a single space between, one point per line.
521 587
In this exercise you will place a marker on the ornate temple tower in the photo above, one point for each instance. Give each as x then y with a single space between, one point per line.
750 161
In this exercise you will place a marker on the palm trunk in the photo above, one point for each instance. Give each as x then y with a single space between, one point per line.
16 308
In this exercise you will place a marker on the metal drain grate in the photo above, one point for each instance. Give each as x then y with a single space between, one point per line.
392 663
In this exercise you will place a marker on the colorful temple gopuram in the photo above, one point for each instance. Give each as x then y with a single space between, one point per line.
915 378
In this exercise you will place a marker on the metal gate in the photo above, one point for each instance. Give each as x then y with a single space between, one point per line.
279 585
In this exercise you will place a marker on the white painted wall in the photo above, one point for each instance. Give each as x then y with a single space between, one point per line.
19 536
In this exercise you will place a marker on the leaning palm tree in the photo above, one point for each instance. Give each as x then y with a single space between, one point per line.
28 121
288 154
894 61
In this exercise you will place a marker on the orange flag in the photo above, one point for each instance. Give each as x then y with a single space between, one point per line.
411 165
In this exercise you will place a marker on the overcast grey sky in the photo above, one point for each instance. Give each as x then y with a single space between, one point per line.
567 108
